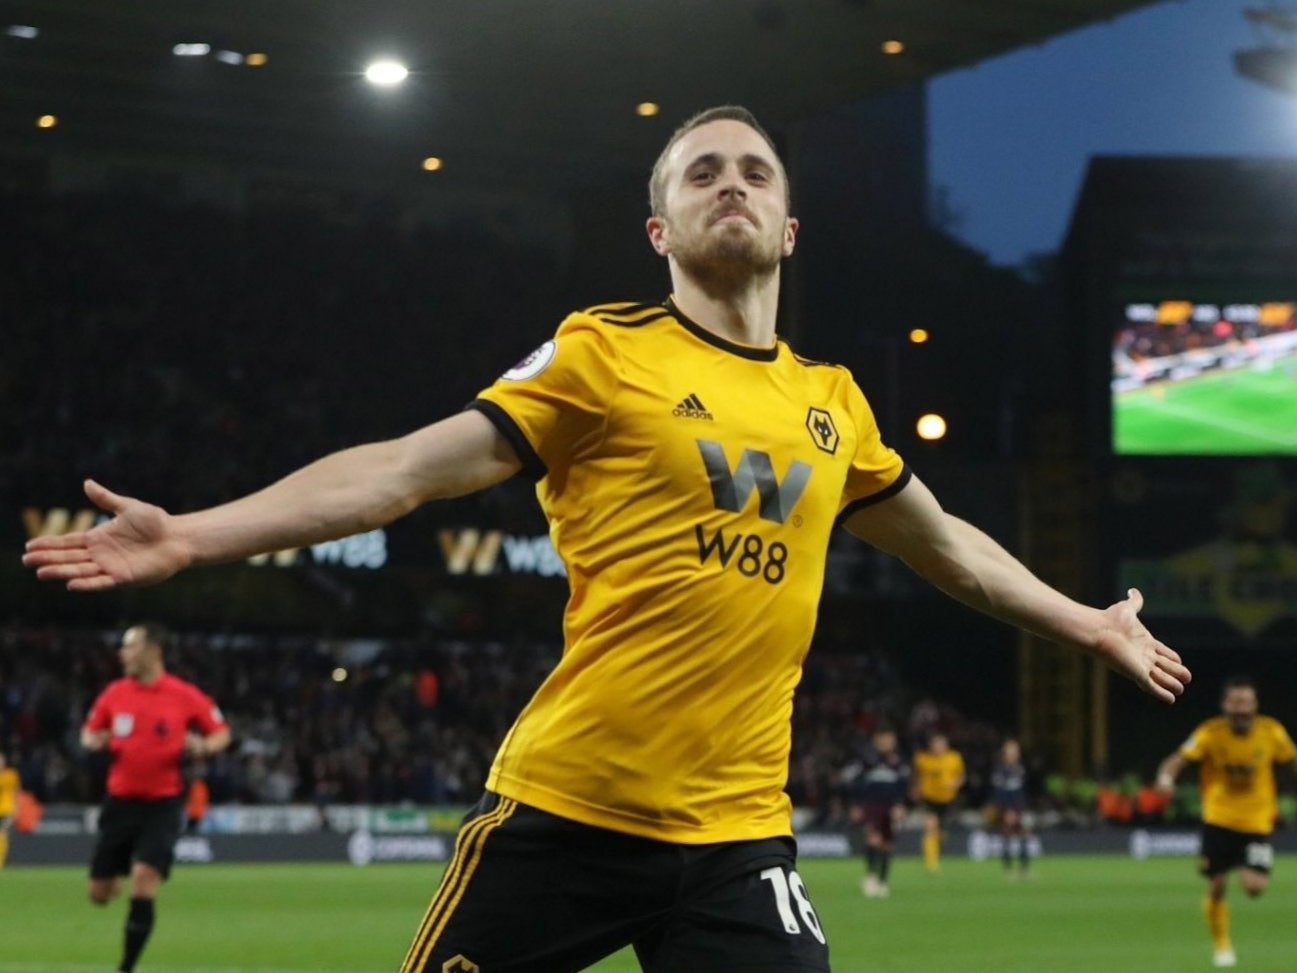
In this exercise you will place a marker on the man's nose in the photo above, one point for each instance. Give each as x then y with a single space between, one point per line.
731 184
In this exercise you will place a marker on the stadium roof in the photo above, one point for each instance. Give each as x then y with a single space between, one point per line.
537 92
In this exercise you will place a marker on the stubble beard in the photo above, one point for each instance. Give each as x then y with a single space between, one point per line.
729 264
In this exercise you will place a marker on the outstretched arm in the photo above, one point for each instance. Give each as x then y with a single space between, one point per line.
969 566
344 493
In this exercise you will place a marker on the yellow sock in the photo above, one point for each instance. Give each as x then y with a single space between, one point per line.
1217 913
4 847
931 849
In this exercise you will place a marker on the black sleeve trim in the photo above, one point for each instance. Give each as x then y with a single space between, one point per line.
532 464
886 493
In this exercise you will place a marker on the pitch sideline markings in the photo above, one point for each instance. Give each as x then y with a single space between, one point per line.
1188 412
1206 419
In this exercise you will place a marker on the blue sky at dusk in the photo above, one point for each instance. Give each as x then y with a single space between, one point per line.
1010 138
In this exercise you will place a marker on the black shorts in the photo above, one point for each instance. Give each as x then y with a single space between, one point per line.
1224 850
938 809
1009 801
132 830
528 892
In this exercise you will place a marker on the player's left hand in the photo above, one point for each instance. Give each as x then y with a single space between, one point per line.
1128 647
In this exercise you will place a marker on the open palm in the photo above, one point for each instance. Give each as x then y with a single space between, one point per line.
139 545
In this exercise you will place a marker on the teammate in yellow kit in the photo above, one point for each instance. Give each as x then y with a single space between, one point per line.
1236 753
938 777
9 787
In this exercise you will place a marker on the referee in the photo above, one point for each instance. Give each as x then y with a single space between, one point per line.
147 723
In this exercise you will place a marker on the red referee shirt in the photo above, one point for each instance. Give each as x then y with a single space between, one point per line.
148 725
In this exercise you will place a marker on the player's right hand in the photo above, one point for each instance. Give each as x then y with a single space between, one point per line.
138 546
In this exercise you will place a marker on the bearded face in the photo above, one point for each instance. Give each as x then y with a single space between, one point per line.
729 247
725 221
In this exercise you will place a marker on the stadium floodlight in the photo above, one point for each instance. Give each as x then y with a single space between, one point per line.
931 427
191 50
23 31
229 57
386 73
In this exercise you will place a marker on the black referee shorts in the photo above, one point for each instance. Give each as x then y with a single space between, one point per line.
528 892
135 830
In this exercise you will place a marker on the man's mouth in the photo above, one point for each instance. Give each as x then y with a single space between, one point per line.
728 215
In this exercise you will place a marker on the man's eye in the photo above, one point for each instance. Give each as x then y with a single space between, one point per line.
758 176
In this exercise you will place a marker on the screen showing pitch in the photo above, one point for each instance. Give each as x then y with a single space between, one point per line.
1199 379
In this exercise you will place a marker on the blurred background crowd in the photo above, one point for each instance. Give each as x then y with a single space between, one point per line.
390 722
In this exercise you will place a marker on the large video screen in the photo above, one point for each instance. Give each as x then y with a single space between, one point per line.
1197 379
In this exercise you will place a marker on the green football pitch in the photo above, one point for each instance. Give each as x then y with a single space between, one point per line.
1236 412
1110 914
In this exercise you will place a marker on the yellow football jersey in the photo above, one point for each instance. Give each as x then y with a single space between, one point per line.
938 775
8 792
690 485
1236 773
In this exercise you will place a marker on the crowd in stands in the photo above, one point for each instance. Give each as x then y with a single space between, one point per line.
312 722
1142 340
326 722
148 343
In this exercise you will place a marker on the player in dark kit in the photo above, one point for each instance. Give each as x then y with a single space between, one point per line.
1009 801
147 722
879 784
639 797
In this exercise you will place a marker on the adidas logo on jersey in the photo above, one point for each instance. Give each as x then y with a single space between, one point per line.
692 408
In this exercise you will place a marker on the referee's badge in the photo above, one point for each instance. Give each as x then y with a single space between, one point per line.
123 723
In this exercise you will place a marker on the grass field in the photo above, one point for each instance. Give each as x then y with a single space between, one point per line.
1075 914
1241 411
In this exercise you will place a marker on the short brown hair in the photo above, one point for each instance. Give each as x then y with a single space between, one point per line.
733 113
155 634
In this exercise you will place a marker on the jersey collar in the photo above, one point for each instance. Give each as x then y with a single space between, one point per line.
716 341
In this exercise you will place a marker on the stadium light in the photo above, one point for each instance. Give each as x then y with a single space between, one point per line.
386 74
23 31
931 427
191 50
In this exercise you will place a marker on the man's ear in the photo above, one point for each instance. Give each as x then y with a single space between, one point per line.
657 234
